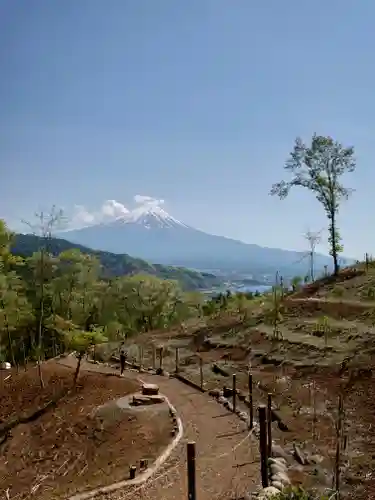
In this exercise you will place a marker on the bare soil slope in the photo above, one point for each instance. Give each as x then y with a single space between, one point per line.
305 370
70 448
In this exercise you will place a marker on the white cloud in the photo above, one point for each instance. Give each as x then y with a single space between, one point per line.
113 209
82 216
110 210
141 199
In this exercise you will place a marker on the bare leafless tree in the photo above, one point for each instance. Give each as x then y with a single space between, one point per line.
313 239
44 225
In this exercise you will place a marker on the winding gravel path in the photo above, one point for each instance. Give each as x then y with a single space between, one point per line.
227 461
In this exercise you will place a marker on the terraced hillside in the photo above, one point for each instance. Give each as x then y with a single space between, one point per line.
325 346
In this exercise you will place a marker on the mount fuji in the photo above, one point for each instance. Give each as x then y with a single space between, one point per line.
150 233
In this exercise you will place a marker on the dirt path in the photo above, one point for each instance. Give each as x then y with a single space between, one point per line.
227 457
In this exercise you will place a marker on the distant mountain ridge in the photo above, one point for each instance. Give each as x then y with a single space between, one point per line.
118 264
152 234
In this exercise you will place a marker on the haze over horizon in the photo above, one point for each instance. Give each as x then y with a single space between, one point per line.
195 105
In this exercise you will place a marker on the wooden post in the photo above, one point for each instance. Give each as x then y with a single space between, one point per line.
234 392
132 471
191 471
177 361
269 424
140 357
262 411
251 406
161 353
201 370
338 445
153 356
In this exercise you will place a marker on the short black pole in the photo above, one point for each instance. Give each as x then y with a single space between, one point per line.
161 353
262 410
201 372
269 424
153 356
177 361
234 392
191 471
132 471
251 405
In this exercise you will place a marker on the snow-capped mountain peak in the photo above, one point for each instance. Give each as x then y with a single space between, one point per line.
150 217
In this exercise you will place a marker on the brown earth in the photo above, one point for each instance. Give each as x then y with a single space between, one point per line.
69 449
304 374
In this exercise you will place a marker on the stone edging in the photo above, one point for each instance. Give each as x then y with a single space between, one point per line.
144 476
277 465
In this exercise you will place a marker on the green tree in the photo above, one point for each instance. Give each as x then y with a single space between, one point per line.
273 309
81 341
14 307
319 168
15 314
296 283
45 224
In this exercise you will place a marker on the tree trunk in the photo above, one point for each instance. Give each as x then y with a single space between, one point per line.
76 373
24 355
332 230
39 344
11 352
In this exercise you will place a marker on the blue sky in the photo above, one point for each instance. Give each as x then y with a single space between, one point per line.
196 102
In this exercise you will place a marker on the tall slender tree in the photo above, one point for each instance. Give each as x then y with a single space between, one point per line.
319 168
44 226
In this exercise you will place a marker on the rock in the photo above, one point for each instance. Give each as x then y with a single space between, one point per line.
278 451
316 459
278 485
215 393
276 468
299 455
142 400
229 406
150 389
281 477
268 492
244 416
278 460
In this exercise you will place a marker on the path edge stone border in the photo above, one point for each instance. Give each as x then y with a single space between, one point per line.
144 476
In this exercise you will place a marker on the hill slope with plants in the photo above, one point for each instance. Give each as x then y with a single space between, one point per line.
53 296
113 264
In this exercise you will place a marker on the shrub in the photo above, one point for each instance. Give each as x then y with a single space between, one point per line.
297 493
338 291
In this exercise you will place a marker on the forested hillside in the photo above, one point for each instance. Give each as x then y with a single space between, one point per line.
51 298
113 265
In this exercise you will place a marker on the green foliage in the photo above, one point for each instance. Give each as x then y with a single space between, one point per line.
296 283
273 309
338 291
298 493
369 293
238 303
318 168
323 326
114 265
51 301
80 341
